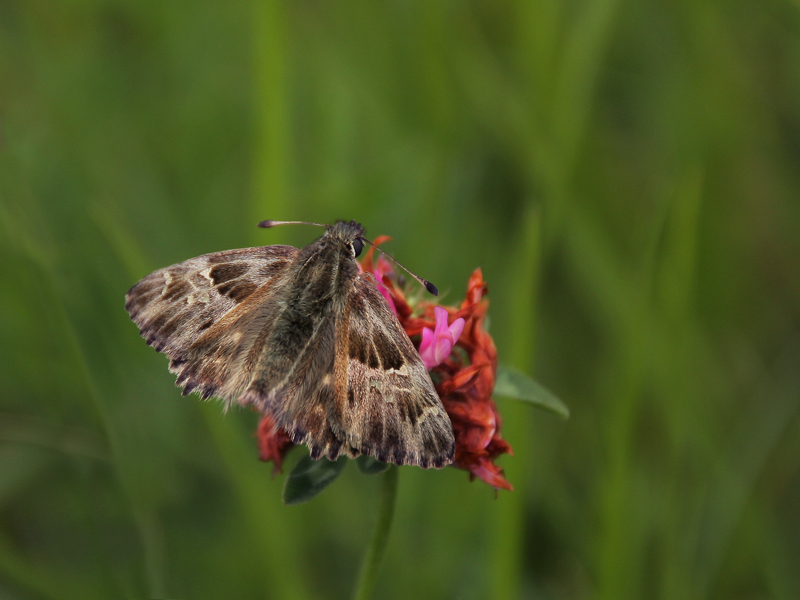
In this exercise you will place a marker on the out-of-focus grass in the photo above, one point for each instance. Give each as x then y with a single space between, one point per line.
626 176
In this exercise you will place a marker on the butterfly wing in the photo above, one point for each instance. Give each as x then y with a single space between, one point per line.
199 313
390 409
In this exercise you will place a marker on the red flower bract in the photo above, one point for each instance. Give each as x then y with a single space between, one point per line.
273 443
464 381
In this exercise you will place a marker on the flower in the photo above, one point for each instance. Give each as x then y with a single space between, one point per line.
466 392
462 360
381 270
464 379
273 443
437 344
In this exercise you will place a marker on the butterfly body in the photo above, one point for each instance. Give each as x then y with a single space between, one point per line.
304 337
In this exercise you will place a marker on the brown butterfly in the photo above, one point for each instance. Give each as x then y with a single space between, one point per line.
304 337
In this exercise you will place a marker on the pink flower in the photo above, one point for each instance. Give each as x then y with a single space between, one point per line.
437 344
384 269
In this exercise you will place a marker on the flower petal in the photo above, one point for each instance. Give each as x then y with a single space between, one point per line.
273 443
388 295
444 345
456 327
491 474
441 321
426 348
383 268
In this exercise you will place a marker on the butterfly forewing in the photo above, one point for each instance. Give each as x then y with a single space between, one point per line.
198 312
303 337
391 410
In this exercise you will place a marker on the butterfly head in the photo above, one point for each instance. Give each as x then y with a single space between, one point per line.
350 233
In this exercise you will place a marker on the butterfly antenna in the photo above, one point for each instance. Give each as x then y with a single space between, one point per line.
268 224
427 284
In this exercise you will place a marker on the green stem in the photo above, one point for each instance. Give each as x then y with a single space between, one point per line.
377 546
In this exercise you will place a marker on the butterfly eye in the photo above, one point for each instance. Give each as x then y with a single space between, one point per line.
357 246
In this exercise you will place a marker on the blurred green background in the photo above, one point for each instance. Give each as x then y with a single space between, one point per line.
627 175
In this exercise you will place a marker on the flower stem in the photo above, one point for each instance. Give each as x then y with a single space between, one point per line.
377 545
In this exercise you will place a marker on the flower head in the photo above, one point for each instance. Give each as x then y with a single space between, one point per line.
273 443
464 378
437 343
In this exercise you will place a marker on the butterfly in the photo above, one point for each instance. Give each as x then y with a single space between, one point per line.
304 337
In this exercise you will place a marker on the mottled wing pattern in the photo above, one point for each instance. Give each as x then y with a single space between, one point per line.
390 409
199 313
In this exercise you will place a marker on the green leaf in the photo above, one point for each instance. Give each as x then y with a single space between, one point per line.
309 477
371 466
513 384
